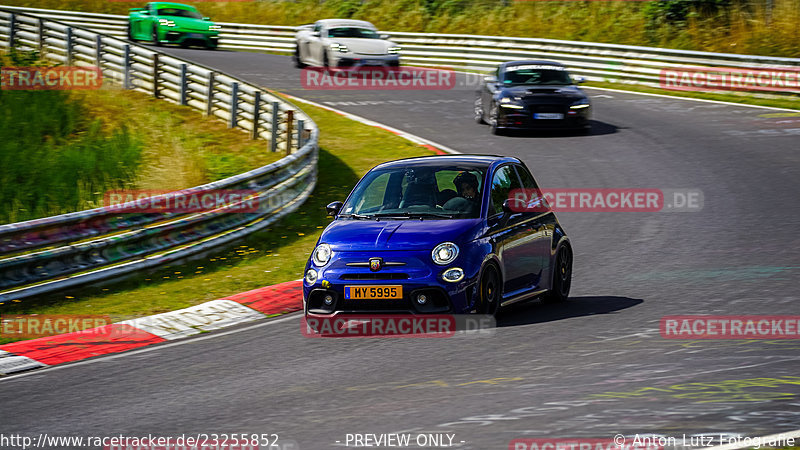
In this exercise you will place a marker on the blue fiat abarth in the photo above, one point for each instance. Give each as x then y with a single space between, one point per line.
438 234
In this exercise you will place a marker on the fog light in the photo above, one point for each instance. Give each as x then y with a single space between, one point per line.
422 299
311 276
453 275
328 299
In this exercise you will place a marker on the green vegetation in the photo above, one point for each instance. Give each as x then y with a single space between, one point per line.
348 151
60 151
734 26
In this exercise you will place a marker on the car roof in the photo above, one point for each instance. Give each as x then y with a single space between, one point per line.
172 5
542 62
346 23
443 160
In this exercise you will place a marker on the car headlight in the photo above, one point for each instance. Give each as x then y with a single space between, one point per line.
337 47
509 102
580 104
393 50
214 27
166 22
311 276
444 253
453 275
321 255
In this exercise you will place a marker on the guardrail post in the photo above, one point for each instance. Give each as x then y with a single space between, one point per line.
210 95
98 51
184 69
41 35
234 105
256 115
289 120
301 128
126 66
273 142
155 75
69 46
12 29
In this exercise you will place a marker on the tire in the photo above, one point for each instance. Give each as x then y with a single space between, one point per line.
129 32
297 61
325 62
493 122
490 290
155 36
478 110
562 276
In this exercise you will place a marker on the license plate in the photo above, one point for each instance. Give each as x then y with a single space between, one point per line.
548 116
373 292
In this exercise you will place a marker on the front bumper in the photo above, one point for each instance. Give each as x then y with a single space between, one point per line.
357 60
188 37
525 118
415 277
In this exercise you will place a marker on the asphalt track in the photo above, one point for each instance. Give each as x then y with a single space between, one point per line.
594 367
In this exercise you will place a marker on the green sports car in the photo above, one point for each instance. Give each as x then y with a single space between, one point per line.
172 23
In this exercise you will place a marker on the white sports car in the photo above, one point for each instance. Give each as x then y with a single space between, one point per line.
344 43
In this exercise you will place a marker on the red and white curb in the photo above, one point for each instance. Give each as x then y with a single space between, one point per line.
122 336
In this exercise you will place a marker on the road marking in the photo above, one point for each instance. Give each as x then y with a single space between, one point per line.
691 99
150 349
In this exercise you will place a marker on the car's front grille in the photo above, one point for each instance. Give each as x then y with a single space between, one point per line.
374 276
540 108
373 305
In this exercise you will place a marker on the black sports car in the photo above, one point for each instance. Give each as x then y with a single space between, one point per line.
531 95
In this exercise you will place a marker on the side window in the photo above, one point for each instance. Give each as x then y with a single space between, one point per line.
527 178
503 182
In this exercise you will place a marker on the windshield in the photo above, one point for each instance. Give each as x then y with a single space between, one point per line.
353 32
536 75
175 12
452 192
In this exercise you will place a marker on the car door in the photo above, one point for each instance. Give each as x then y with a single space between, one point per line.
508 232
315 47
537 222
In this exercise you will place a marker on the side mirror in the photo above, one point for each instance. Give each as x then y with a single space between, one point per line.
490 79
315 33
333 208
579 79
385 37
136 9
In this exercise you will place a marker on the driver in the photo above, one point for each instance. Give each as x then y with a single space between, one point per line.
467 186
467 201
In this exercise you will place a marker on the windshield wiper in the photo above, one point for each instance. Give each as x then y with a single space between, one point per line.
410 215
431 214
356 216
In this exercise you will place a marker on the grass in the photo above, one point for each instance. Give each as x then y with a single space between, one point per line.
737 26
60 151
348 150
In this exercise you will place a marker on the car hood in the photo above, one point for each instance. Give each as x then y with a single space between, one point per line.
405 234
364 46
189 24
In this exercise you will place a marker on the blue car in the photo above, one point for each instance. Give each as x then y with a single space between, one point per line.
438 234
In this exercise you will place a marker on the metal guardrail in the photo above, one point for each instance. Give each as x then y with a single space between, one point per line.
54 253
594 61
